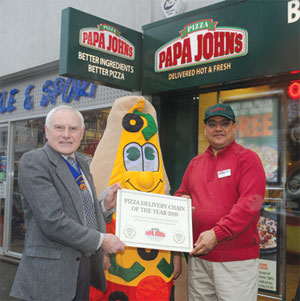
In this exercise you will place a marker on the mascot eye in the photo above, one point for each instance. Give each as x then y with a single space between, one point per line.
133 153
132 122
151 157
149 153
132 157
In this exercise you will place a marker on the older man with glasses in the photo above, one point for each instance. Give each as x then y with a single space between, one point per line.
227 185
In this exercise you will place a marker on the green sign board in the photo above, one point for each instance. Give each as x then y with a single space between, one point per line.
100 51
228 41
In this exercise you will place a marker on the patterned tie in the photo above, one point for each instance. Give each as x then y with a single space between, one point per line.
88 204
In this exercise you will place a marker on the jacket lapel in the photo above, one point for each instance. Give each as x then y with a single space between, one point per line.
66 178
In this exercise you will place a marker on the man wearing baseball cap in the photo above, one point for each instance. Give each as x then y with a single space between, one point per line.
227 185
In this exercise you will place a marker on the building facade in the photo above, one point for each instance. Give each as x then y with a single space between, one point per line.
251 61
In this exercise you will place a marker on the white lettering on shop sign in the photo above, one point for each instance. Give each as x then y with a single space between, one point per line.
293 11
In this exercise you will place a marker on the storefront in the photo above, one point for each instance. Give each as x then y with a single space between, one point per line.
24 105
245 53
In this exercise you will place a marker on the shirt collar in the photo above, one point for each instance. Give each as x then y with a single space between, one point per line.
66 157
209 150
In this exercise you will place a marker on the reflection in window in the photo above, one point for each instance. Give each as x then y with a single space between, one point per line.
95 124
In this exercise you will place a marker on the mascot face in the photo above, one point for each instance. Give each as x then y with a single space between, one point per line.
138 164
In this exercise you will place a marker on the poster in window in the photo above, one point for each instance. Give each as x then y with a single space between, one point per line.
258 121
269 259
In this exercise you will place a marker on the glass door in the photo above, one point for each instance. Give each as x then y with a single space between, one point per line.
3 178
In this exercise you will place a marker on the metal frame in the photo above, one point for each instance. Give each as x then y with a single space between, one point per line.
4 246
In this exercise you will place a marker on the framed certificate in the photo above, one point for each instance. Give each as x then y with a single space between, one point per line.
154 221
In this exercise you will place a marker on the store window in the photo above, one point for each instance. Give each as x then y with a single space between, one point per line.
28 135
268 122
95 123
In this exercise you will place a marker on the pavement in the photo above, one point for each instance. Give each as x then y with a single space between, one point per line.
8 270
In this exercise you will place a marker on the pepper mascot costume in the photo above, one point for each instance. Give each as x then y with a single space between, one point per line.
129 153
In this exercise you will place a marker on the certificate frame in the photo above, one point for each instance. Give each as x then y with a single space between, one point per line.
154 221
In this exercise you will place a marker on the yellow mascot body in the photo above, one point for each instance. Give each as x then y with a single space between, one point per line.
129 153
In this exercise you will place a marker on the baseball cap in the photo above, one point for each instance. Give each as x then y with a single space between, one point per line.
220 109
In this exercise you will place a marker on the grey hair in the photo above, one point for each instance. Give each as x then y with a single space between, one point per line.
63 107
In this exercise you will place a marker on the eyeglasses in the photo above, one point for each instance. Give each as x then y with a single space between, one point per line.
223 124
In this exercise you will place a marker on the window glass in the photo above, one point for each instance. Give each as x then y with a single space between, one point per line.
95 124
28 135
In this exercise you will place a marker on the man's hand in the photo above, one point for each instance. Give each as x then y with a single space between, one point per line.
110 200
112 244
205 243
106 262
185 196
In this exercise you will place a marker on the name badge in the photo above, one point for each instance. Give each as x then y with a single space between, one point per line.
224 173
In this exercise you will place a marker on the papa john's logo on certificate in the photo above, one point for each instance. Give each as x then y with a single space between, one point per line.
154 221
155 234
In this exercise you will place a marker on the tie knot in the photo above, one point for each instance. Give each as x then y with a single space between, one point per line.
72 162
71 159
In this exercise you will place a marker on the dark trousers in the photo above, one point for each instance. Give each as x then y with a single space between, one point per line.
83 280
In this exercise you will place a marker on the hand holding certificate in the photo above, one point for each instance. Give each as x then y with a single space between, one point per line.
154 221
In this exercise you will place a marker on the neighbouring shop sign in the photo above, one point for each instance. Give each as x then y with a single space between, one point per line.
172 8
228 41
99 51
69 89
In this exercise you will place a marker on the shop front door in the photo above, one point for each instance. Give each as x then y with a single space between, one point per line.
3 185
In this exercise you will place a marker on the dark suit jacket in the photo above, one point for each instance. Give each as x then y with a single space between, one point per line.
56 237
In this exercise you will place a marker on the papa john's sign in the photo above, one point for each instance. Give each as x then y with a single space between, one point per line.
193 51
230 41
108 39
201 42
97 50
